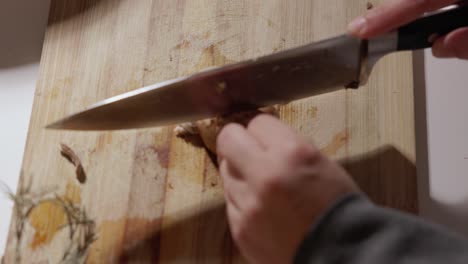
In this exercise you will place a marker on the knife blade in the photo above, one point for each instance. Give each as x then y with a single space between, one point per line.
325 66
274 79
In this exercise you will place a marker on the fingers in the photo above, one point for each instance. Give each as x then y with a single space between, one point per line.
280 139
270 131
455 44
238 195
239 148
235 188
393 14
232 205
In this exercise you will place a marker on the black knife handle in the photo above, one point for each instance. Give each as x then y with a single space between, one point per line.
421 33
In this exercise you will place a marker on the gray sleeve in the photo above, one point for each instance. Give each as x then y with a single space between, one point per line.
355 231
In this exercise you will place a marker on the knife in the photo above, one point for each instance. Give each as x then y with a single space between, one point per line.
325 66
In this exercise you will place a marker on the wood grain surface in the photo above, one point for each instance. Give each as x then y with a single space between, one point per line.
153 196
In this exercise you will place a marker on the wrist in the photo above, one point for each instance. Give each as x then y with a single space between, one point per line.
313 240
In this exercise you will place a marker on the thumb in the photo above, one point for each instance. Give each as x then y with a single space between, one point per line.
455 44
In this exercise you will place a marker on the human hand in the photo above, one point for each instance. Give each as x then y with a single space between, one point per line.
276 185
395 13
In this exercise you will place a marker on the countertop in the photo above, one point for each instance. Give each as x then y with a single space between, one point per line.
441 124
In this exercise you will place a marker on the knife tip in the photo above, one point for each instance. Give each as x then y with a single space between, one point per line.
54 126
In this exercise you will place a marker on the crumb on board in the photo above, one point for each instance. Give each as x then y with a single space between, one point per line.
71 156
270 23
370 5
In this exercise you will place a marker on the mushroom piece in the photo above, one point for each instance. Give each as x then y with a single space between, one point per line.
208 129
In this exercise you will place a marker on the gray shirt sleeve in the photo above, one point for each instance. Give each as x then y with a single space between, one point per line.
355 231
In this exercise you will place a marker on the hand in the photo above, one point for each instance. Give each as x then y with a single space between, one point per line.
276 185
395 13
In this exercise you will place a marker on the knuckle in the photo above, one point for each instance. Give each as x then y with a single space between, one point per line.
271 184
297 151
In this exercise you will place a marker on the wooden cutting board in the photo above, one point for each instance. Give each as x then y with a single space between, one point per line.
152 195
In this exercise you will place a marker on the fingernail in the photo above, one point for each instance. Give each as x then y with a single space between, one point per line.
357 26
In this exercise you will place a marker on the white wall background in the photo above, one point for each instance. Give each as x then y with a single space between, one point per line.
22 26
441 93
443 180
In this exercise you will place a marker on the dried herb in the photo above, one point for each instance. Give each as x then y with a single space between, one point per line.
24 203
70 155
82 230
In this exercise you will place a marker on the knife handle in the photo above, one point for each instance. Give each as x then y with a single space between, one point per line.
422 33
